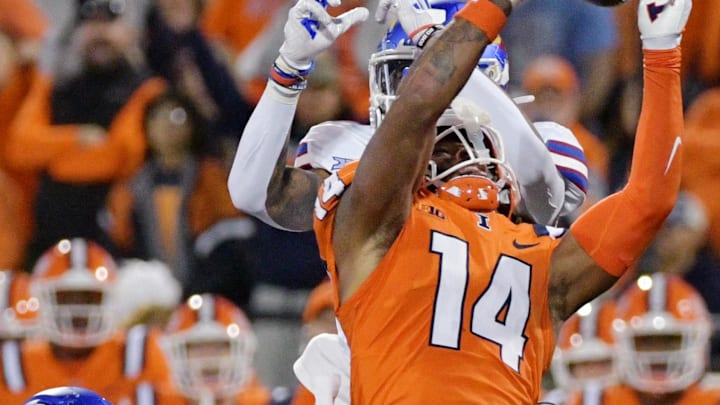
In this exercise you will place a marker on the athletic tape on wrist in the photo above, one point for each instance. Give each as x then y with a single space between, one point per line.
297 79
426 35
485 15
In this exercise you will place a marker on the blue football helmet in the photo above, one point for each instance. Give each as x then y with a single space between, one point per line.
67 396
396 52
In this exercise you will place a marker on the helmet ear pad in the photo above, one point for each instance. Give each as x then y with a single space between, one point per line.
475 193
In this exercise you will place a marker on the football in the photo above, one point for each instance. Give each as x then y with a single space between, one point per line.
607 3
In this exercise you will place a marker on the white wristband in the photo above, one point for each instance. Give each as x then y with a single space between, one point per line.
660 43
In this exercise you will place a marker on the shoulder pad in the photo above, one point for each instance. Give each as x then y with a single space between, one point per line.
331 145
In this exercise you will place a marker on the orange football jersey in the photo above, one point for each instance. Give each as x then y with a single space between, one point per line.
113 369
253 393
624 395
455 313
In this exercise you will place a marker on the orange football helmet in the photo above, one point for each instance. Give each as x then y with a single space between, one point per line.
73 282
662 334
18 308
210 346
584 352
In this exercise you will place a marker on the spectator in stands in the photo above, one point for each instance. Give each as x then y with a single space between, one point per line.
252 32
26 24
580 32
176 209
78 340
177 50
700 163
554 83
22 26
84 132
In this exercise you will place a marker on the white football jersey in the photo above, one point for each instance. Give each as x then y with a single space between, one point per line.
333 144
546 194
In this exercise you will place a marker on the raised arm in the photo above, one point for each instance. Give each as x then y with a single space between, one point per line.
541 185
609 238
374 208
259 183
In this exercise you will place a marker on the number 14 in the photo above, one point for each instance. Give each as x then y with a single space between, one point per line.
508 289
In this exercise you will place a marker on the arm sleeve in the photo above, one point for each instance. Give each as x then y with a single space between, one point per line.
122 153
32 142
259 149
617 230
541 186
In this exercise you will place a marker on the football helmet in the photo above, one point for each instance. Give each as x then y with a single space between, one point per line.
209 344
18 308
73 282
662 334
396 52
67 396
584 352
482 180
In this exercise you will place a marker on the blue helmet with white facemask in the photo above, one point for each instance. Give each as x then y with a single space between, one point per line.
67 396
396 52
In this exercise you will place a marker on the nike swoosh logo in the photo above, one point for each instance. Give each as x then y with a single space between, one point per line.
676 145
523 246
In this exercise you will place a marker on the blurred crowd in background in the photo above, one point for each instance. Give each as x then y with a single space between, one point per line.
118 124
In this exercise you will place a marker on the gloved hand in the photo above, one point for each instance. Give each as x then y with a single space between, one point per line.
569 158
415 16
661 22
310 30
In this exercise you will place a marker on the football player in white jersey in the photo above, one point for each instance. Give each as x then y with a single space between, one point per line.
551 181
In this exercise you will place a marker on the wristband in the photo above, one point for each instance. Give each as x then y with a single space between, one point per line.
426 35
296 80
485 15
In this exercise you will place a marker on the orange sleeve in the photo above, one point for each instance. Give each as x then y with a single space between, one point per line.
32 142
303 396
616 231
11 243
124 150
22 18
254 393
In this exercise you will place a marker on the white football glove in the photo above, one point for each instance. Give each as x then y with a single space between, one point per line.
414 15
661 22
310 30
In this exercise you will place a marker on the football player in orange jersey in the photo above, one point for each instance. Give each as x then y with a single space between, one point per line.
18 308
77 340
283 197
442 299
584 357
210 345
662 334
